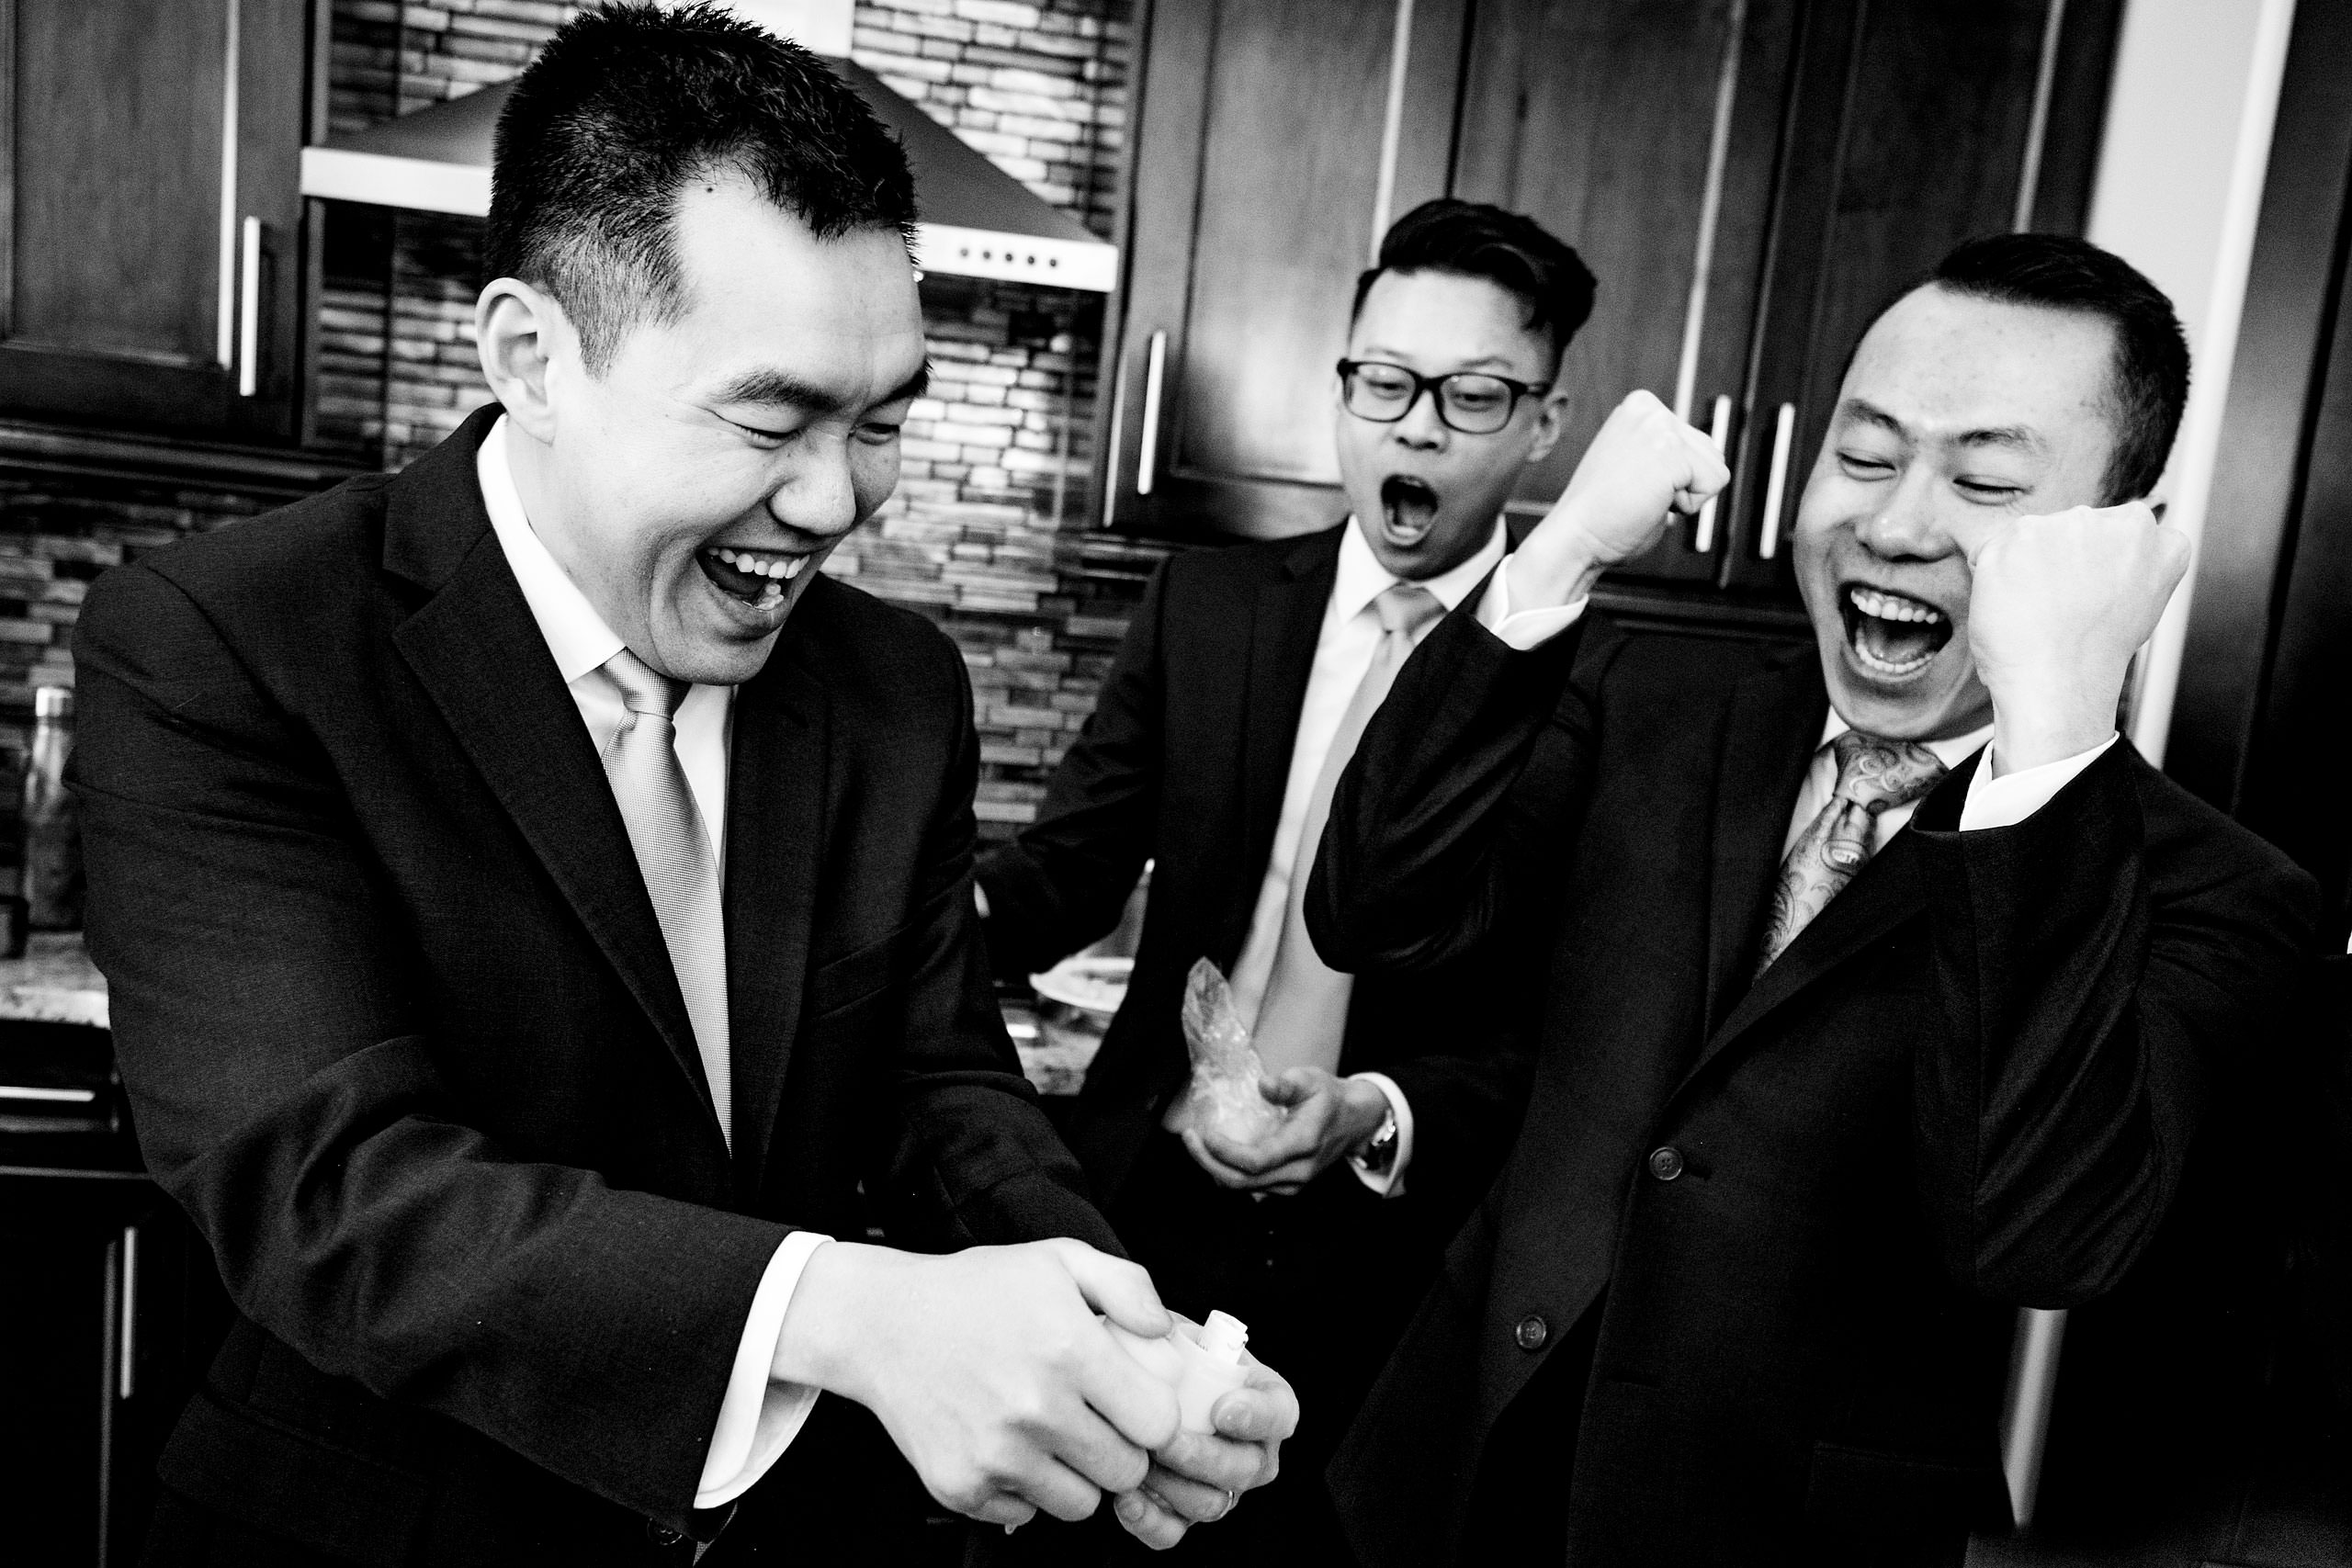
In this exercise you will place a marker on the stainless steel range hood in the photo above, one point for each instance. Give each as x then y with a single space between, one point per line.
978 220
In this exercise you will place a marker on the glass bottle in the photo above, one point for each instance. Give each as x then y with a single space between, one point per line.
52 839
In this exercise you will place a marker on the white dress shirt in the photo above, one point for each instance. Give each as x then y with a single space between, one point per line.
1343 652
757 1421
1991 803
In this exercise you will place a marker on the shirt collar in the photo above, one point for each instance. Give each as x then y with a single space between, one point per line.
1951 753
575 634
1363 579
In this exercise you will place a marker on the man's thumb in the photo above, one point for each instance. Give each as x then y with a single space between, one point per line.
1117 1288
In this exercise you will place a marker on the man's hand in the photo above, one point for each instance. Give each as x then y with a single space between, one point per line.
1328 1117
1199 1477
989 1368
1644 464
2057 607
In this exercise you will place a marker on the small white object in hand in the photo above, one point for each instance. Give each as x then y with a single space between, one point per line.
1200 1372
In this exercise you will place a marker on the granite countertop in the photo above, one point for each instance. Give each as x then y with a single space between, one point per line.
54 982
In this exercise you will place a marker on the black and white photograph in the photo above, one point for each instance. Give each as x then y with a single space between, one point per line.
1269 784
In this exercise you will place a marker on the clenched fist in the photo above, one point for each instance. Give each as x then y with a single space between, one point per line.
2057 607
1643 464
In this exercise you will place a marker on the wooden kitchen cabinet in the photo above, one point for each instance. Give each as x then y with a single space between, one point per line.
152 273
1749 179
110 1309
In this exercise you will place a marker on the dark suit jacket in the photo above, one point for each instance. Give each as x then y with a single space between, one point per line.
1972 1083
1184 759
402 1035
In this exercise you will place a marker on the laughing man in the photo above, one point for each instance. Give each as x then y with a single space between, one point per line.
1888 989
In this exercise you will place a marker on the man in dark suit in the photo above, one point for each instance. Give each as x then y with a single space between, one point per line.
537 910
1887 984
1244 679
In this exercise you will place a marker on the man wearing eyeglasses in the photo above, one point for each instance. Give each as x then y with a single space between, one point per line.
1246 676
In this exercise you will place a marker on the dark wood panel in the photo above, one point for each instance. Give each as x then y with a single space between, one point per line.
2300 755
118 143
1290 162
1599 121
2291 291
1259 148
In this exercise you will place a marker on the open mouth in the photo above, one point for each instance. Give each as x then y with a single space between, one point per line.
756 577
1891 635
1407 509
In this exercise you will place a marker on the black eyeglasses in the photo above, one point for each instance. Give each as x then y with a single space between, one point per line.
1468 400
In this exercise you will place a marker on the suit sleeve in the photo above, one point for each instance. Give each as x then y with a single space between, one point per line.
2105 969
976 1162
268 1016
1474 766
1063 882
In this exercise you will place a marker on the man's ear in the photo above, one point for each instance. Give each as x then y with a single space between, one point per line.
1551 417
521 334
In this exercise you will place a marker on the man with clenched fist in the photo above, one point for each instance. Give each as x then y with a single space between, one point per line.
1888 986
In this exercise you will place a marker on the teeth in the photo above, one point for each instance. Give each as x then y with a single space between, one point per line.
1889 666
775 568
1892 607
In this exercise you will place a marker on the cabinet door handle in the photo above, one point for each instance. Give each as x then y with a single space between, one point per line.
1776 483
1703 539
126 1347
249 312
1147 450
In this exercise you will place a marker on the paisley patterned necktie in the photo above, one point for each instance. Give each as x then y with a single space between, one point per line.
1873 775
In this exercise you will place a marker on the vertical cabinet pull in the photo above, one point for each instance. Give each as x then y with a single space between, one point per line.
249 312
1147 454
126 1345
1703 539
1776 483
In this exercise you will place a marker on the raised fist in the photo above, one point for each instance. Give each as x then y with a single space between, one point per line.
1643 464
2057 607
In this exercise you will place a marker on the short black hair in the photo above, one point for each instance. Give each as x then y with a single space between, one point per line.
2148 383
1509 250
630 101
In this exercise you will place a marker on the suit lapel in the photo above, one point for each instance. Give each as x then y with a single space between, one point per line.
1884 896
1769 737
1285 623
775 829
478 653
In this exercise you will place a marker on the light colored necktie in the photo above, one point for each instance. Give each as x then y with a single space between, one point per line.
1305 1016
1873 775
673 855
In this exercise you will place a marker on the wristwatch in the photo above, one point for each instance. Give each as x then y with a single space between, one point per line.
1379 1151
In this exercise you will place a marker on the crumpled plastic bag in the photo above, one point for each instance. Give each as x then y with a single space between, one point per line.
1223 1093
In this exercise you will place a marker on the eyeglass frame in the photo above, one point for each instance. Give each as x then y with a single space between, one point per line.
1435 386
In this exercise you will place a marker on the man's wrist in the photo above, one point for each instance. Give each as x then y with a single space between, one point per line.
2028 736
1366 1112
1546 580
820 1342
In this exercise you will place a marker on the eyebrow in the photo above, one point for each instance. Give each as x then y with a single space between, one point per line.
2016 437
782 388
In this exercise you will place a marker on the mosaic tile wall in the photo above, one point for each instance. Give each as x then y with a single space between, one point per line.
988 531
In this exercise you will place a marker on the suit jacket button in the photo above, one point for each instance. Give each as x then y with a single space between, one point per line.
661 1534
1532 1332
1666 1163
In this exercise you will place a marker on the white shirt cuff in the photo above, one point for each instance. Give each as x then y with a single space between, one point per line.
758 1419
1523 629
1389 1183
2007 801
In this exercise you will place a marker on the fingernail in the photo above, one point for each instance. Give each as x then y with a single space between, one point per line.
1128 1507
